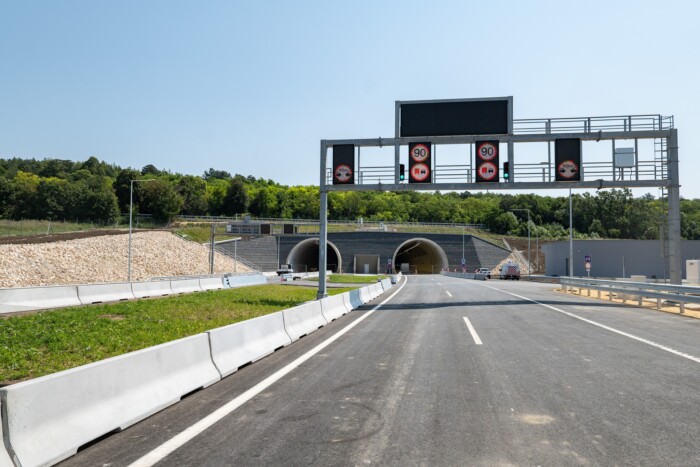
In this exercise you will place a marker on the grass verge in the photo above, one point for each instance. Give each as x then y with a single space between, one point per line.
350 279
44 343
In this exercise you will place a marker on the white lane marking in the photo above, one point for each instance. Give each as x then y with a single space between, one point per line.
472 331
603 326
188 434
448 293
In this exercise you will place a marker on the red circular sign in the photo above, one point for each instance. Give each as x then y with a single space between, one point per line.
487 171
343 173
420 172
420 152
567 169
487 151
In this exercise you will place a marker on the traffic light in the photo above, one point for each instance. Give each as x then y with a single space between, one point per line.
506 170
402 172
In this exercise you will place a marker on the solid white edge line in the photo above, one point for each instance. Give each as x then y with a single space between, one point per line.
472 331
603 326
179 440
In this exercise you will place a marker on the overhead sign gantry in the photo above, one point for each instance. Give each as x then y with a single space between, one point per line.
487 125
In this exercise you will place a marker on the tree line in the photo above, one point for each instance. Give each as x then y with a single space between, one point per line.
93 190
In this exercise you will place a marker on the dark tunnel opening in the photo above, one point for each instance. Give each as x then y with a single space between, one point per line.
304 256
419 256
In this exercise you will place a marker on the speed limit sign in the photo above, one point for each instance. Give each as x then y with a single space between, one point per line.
420 152
487 150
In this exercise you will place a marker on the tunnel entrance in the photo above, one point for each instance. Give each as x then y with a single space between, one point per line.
422 256
304 256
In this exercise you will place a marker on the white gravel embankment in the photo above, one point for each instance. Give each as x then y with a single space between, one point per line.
104 259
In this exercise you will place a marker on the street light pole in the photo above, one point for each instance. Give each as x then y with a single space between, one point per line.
131 210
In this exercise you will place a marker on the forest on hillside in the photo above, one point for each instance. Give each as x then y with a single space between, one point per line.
93 190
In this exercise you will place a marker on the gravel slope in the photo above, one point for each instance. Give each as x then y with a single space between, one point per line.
104 259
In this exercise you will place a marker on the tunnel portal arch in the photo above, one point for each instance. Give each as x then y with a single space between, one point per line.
423 256
304 256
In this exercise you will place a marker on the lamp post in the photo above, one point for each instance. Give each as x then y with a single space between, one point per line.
529 267
131 210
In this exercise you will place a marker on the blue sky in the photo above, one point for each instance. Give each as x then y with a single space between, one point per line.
251 87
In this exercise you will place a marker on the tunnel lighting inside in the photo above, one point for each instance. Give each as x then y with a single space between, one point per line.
422 255
304 256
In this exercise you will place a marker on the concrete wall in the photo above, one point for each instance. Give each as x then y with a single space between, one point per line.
478 253
640 257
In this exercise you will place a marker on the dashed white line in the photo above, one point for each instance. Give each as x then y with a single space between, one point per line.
472 331
188 434
448 293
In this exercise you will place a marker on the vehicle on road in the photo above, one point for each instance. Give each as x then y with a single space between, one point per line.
285 269
510 270
484 271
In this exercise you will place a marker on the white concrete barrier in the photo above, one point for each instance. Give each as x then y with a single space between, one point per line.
151 289
240 281
5 460
211 283
49 418
333 307
98 293
365 294
185 286
376 290
386 284
303 319
238 344
38 298
355 299
346 301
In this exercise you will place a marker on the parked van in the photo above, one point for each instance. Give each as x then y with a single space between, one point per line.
510 270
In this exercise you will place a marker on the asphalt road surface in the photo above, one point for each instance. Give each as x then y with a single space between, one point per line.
447 372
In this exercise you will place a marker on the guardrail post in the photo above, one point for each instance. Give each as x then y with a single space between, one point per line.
682 307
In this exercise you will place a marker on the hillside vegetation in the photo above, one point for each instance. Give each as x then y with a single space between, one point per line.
97 192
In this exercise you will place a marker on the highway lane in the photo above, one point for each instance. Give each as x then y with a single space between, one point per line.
410 385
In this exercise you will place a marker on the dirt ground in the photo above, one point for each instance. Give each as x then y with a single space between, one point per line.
60 237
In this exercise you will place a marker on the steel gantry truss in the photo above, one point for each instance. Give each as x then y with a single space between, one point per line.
662 172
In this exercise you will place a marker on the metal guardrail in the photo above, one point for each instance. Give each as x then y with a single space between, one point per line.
637 291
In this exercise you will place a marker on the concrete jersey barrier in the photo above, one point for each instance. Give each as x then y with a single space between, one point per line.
185 286
333 307
151 289
355 299
376 289
38 298
211 283
365 294
386 284
240 281
49 418
5 460
303 319
98 293
238 344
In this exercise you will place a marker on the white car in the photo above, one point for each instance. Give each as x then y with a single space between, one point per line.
484 271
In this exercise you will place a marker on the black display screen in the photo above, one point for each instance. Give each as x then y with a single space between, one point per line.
487 117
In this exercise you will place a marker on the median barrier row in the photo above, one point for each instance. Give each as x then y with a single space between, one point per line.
39 298
47 419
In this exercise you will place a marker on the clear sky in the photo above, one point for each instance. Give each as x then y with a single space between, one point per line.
252 86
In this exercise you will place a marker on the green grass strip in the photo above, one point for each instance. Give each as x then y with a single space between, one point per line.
350 279
47 342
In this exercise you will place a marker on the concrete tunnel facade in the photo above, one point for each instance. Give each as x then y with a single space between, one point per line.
374 252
